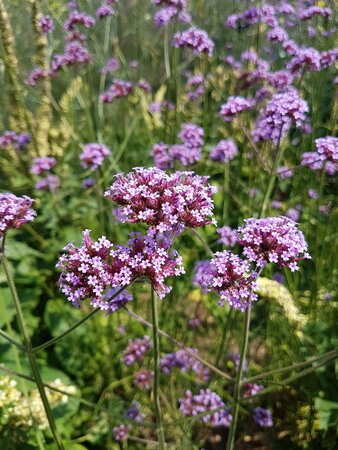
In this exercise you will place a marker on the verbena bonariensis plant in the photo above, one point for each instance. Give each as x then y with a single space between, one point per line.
112 85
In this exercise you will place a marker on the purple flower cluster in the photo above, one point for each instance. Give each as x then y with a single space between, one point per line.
40 165
46 24
187 153
146 257
14 211
275 120
173 8
104 11
312 11
121 432
325 156
225 151
75 53
273 239
252 389
285 172
136 350
195 86
76 18
183 361
227 236
199 270
93 155
263 417
230 277
196 40
10 138
305 58
251 16
49 183
164 201
134 413
35 75
117 89
206 400
111 66
85 271
143 379
235 106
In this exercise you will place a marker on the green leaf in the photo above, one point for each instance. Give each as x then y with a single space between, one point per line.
328 413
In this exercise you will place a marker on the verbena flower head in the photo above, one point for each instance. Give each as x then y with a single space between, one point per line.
227 237
206 400
225 151
35 75
252 389
191 135
197 40
146 257
85 271
136 350
14 212
111 66
231 278
263 417
275 120
78 18
303 59
273 240
160 154
184 154
199 270
183 361
118 89
49 183
285 172
312 11
327 148
44 164
104 11
235 106
46 24
134 413
121 432
164 201
143 379
93 155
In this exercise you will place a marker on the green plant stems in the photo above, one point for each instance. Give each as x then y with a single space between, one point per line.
272 177
76 324
12 340
238 382
156 384
31 357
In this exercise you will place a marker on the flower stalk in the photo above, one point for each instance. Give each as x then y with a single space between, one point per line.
156 385
28 350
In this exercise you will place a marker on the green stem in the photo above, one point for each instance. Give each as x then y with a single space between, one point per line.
238 382
12 341
226 188
272 178
156 385
203 242
166 53
76 324
31 357
292 367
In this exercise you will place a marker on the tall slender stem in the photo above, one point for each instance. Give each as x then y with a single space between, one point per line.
238 382
76 324
31 356
272 177
156 342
